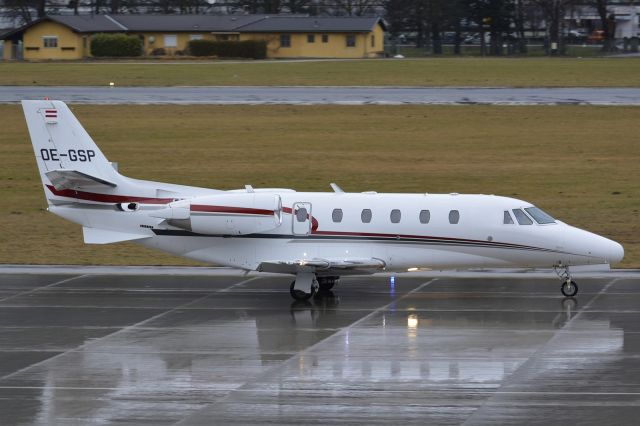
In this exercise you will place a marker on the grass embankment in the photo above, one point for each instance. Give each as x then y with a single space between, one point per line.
513 72
578 162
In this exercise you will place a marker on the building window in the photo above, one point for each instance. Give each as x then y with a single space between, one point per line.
425 216
365 216
311 38
325 38
285 40
50 41
337 215
351 41
395 216
454 217
196 37
373 41
170 41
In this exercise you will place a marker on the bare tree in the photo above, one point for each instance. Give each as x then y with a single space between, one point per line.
354 7
608 22
554 12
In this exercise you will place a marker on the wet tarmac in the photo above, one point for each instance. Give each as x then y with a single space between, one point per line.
316 95
232 349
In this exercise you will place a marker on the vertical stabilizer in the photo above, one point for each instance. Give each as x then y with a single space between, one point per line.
66 155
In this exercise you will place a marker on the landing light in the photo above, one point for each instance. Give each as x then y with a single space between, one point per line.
412 321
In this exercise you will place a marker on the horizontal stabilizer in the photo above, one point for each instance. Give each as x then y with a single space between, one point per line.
73 179
104 236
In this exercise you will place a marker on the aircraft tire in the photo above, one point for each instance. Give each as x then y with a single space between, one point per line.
569 290
327 283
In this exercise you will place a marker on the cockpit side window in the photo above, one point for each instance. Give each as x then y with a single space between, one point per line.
539 216
508 220
521 217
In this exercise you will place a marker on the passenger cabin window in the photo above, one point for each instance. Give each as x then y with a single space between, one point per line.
301 214
365 216
521 217
539 216
337 215
425 216
508 220
395 216
454 217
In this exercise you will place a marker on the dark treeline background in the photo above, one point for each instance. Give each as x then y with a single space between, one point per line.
493 24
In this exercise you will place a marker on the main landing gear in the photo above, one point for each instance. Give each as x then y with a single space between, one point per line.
307 284
569 288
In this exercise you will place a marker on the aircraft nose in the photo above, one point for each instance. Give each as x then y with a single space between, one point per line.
608 250
615 251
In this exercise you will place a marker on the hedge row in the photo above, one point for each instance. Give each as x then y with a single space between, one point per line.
256 49
116 45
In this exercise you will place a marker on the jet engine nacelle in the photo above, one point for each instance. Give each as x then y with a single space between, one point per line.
225 214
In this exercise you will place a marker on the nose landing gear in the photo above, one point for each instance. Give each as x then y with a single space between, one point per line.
569 288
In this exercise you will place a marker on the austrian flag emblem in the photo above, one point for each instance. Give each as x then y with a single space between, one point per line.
51 116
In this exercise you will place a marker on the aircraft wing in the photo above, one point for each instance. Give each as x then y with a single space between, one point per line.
73 179
324 266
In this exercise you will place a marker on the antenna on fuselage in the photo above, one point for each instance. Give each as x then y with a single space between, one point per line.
336 188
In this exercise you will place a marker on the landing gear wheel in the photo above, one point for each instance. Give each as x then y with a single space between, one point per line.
569 288
327 283
301 295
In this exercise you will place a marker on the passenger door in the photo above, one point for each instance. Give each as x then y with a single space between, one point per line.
301 218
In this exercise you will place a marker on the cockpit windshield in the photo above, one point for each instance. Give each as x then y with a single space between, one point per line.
539 216
521 217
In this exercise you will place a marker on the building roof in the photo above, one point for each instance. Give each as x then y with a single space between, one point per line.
182 23
312 23
206 23
86 23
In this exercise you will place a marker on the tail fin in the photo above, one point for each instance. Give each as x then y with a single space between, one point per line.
67 157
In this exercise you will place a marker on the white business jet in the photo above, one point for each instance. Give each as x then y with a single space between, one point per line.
316 236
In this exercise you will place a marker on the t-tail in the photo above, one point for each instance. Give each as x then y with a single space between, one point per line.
70 163
82 186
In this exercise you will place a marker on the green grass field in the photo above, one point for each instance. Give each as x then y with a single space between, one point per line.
578 162
514 72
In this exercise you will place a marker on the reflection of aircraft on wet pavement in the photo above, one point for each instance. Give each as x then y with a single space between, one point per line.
317 237
209 354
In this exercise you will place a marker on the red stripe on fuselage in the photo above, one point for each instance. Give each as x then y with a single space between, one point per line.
227 209
417 237
106 198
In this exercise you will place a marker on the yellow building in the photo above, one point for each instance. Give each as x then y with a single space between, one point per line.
61 37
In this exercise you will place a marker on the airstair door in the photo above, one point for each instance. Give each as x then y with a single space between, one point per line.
301 215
